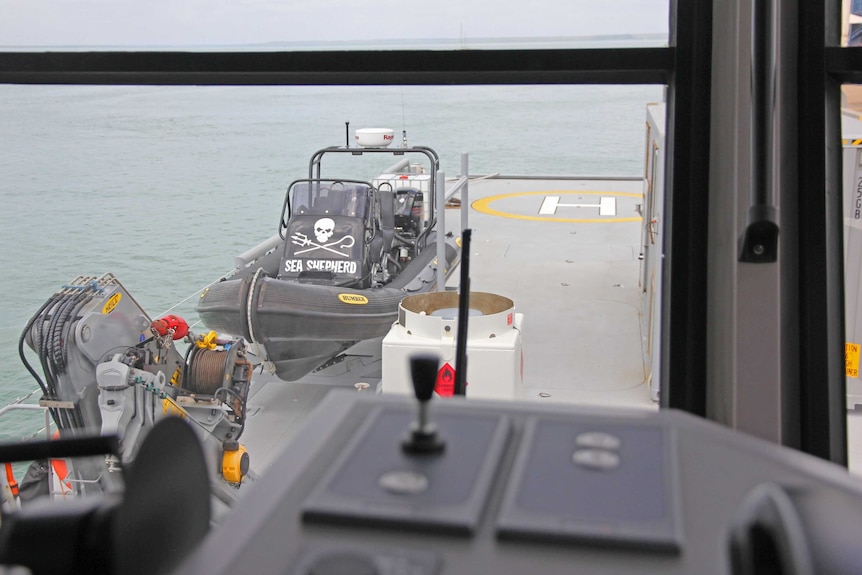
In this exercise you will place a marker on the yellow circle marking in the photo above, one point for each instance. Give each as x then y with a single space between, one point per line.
484 206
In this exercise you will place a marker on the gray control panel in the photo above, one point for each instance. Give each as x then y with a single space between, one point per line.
585 481
515 488
375 483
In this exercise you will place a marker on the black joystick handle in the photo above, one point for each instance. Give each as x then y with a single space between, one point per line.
423 434
423 371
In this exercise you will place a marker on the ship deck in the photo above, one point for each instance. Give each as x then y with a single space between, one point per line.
570 265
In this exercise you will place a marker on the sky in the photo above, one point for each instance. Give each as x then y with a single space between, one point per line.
218 22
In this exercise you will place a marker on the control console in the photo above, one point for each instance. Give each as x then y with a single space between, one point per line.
390 485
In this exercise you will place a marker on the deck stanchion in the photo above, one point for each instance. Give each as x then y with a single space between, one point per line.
440 211
465 200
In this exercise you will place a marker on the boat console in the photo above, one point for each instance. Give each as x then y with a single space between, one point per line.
384 485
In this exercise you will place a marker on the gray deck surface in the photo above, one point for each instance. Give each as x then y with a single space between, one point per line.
575 282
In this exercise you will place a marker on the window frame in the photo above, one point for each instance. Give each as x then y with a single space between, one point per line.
683 67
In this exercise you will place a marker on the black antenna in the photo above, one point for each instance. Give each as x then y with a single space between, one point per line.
463 313
347 134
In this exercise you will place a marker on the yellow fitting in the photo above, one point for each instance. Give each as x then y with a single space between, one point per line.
207 341
234 464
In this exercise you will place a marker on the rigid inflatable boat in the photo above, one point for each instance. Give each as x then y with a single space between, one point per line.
346 252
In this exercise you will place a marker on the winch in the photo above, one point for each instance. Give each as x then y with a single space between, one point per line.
109 369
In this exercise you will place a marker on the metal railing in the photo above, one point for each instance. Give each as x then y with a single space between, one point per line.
9 499
443 195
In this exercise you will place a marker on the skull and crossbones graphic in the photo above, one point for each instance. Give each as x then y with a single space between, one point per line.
324 229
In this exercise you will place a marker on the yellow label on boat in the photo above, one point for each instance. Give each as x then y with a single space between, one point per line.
851 359
353 298
112 303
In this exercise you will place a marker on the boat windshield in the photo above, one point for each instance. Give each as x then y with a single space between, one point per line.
331 198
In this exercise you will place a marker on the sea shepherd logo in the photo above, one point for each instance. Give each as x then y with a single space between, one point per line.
336 267
324 229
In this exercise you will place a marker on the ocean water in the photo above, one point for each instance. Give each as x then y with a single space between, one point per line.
163 186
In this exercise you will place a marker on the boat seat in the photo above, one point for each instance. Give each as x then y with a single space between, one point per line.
382 241
387 218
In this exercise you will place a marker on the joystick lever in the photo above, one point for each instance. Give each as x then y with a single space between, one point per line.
423 438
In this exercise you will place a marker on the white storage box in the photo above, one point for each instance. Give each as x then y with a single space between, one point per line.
428 323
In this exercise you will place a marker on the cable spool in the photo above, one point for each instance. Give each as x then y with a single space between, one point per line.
209 370
221 373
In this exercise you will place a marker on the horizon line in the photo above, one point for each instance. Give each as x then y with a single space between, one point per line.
462 41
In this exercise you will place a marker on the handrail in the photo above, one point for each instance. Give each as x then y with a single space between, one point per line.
442 196
60 448
462 185
759 241
23 406
18 405
317 157
439 193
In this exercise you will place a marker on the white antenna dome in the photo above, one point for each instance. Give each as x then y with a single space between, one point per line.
374 137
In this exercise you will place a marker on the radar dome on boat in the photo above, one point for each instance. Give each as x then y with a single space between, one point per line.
375 137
